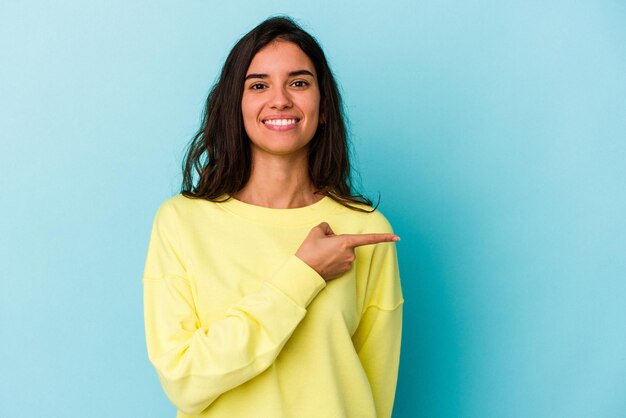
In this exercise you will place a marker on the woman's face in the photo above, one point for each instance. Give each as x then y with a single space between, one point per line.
281 100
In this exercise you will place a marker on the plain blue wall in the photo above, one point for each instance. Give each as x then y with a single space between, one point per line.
495 132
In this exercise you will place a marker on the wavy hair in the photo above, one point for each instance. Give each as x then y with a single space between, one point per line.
218 158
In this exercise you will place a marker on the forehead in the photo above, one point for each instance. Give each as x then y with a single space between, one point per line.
280 57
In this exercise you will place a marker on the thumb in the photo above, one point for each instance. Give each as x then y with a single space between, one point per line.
326 229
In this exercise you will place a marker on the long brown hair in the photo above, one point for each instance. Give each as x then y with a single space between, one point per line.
218 159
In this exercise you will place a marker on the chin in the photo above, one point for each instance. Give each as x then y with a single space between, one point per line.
282 151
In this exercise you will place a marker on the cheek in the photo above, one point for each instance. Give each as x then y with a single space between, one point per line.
317 108
246 109
315 113
251 103
249 113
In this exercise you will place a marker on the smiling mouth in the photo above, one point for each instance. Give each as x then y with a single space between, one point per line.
281 122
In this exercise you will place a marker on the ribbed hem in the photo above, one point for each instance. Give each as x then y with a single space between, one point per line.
298 281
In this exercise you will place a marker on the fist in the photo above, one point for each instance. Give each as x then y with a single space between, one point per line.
332 255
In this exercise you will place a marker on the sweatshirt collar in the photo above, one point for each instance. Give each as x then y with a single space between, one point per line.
280 217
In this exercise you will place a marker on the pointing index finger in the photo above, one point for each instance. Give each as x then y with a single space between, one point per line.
356 240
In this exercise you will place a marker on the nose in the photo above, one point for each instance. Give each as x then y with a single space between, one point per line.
280 99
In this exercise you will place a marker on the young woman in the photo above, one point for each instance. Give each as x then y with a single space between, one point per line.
271 289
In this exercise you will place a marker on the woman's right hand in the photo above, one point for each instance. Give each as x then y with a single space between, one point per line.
332 255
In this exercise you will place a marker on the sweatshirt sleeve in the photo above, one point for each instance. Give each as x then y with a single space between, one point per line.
377 342
378 336
195 363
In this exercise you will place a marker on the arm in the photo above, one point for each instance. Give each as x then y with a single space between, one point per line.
377 342
198 363
378 336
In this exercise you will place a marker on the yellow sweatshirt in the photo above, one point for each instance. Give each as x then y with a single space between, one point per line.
237 326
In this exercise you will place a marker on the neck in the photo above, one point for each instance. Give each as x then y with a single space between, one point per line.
279 182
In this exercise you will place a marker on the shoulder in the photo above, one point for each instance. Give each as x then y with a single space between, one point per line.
373 220
178 208
177 202
173 206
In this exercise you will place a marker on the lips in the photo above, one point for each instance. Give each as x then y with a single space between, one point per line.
281 121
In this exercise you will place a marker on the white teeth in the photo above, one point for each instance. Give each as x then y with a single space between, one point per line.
280 122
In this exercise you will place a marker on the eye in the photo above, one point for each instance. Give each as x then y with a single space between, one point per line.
257 86
300 83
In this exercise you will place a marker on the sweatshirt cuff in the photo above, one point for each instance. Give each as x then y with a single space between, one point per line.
297 280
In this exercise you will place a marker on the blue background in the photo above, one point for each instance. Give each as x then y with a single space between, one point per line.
493 130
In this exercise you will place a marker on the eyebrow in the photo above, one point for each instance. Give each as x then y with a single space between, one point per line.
291 74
